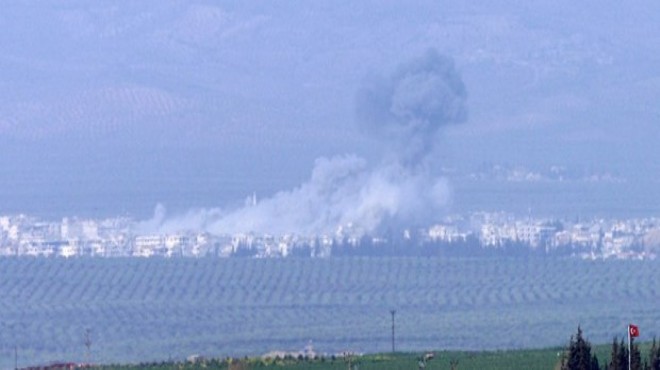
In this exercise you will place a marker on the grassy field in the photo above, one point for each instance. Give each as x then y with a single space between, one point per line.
534 359
523 359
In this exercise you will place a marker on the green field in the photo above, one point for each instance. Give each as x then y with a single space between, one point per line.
534 359
523 359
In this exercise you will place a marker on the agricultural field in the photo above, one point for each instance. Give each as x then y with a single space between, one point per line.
158 309
544 359
521 359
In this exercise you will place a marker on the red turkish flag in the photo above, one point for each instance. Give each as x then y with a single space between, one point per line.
633 330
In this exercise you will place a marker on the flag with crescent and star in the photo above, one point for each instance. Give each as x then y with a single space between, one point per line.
633 330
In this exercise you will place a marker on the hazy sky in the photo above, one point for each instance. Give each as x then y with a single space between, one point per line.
186 102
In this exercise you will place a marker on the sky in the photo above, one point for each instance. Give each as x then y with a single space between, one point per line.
113 107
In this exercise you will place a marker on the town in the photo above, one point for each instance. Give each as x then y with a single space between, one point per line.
480 233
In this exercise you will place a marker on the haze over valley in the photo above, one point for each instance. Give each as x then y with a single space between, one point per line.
110 109
232 178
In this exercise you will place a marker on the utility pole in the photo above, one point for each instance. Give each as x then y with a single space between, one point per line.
393 312
88 344
15 357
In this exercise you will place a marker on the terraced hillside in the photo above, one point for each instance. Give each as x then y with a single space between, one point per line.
155 309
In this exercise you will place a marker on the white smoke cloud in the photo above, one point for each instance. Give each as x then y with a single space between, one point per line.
344 192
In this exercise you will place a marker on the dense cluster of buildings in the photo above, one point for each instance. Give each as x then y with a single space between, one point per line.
594 238
118 237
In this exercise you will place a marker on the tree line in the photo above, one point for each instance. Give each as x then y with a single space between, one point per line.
578 356
392 246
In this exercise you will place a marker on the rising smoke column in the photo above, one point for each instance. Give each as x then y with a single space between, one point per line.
413 104
406 110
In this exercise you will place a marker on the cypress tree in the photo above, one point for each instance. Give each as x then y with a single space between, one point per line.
579 354
654 356
623 355
635 357
614 361
594 363
619 359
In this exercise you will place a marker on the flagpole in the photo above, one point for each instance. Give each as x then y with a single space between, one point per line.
629 354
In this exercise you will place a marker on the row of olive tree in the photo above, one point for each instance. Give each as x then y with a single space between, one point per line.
578 356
